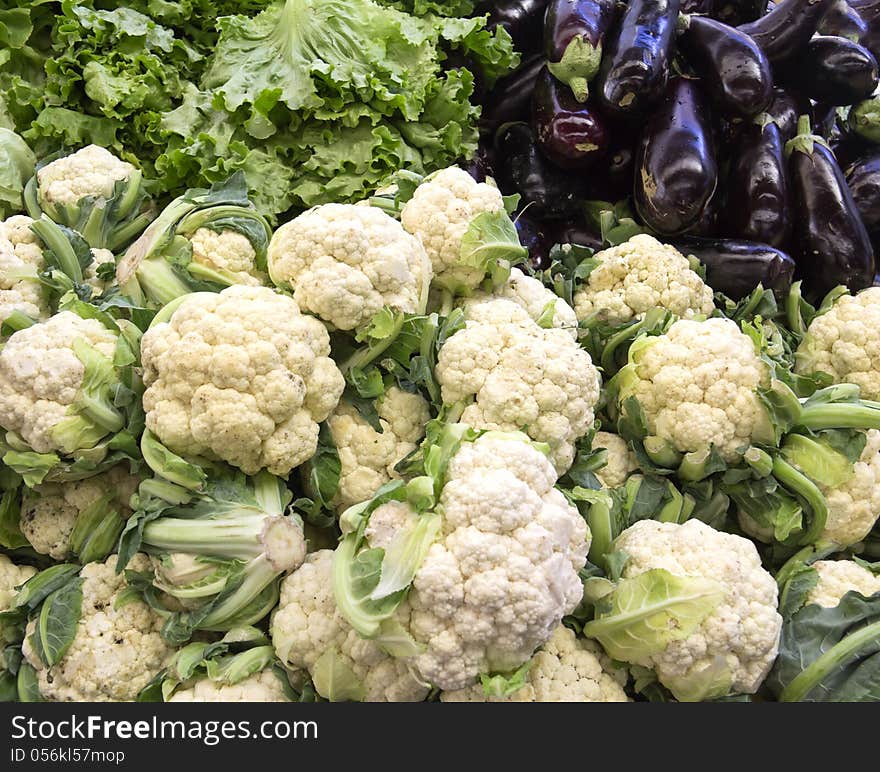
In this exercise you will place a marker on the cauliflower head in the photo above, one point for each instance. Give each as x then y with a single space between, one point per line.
50 511
440 213
115 652
100 257
620 460
11 577
307 625
565 669
845 343
837 578
228 252
345 263
697 385
639 275
534 297
92 171
504 569
264 686
240 376
739 639
368 457
41 376
512 374
21 260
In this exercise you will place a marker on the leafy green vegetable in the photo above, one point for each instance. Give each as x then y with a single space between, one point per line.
17 162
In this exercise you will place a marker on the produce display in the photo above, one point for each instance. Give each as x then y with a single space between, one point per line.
410 350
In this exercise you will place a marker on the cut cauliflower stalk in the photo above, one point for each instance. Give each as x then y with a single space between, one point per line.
368 457
639 275
116 650
21 260
511 374
345 263
565 669
837 578
240 376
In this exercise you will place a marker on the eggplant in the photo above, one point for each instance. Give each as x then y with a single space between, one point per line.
676 172
522 19
736 267
697 6
511 99
785 109
785 31
574 33
834 71
634 72
863 178
736 12
834 245
569 133
869 11
844 21
864 119
613 180
480 166
849 147
758 202
569 232
549 193
737 75
535 236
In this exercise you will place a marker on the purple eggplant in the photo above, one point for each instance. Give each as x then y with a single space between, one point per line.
849 147
736 12
869 10
574 33
522 19
570 134
784 110
548 192
785 31
834 245
480 166
535 236
574 232
634 71
834 71
697 6
737 75
676 172
737 267
863 178
758 203
844 21
511 98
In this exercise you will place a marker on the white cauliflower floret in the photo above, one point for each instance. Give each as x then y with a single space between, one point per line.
620 460
90 275
512 374
307 624
853 506
11 577
229 252
440 213
115 652
639 275
368 457
837 578
264 686
697 385
21 260
241 376
504 571
565 669
534 297
345 263
845 343
40 376
742 633
92 171
49 511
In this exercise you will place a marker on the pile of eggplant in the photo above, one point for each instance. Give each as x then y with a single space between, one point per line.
746 133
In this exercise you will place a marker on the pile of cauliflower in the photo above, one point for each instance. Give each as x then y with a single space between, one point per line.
462 506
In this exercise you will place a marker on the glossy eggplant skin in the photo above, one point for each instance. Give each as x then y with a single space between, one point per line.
736 12
844 21
785 31
758 199
574 35
570 134
535 236
511 99
696 6
869 10
635 69
736 73
785 109
834 71
676 172
522 19
550 193
863 178
736 267
833 244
